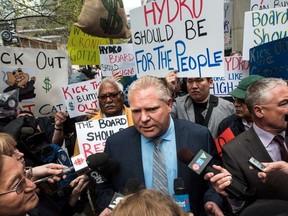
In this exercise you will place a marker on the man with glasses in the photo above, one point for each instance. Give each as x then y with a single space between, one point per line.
241 120
111 102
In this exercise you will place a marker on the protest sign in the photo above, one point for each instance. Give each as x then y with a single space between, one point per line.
81 96
267 4
117 58
184 35
38 74
235 70
83 48
264 26
92 135
270 59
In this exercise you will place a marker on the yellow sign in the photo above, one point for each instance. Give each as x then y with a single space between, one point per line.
83 48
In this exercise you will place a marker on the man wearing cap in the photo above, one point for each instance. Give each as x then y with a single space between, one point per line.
241 120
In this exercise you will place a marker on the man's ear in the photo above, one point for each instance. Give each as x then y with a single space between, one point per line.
258 110
169 103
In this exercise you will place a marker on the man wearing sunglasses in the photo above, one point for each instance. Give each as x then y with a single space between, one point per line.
111 103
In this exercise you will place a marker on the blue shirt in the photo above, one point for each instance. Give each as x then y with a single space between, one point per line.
168 146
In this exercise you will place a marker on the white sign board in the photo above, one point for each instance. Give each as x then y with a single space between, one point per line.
267 4
117 58
264 26
184 35
38 74
92 135
81 96
235 70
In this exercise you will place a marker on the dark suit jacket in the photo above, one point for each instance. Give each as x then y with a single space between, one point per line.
125 148
236 154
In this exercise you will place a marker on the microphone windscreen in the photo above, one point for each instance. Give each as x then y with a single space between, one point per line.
179 186
27 130
97 160
185 155
108 167
132 186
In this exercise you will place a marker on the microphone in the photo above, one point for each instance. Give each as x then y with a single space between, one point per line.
201 165
180 195
80 165
131 186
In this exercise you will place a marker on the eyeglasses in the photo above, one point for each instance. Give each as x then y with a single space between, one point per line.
111 96
21 185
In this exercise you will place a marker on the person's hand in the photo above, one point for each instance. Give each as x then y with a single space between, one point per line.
90 112
219 181
281 166
59 118
212 208
171 80
117 76
49 169
79 184
105 212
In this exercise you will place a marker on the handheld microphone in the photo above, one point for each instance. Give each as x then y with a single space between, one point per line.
80 165
131 186
180 195
201 165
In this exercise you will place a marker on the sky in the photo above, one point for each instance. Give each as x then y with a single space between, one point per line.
130 4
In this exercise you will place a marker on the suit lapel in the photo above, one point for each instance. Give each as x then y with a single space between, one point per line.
256 147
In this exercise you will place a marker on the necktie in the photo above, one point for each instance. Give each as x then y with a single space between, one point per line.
280 140
160 181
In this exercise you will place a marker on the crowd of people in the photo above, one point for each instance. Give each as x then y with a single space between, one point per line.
164 116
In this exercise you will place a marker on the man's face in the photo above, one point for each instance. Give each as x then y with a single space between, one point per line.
199 89
150 114
272 113
112 105
241 109
13 203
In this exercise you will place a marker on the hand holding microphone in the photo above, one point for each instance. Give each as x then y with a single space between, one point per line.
55 172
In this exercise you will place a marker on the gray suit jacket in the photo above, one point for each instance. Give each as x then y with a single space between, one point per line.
183 109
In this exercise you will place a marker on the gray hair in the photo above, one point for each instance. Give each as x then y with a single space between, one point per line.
146 81
113 82
258 93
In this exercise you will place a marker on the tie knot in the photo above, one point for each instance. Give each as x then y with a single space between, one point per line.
157 141
279 139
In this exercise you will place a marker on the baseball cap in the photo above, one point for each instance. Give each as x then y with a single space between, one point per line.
240 91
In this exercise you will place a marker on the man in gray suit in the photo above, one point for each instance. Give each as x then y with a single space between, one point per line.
199 105
267 101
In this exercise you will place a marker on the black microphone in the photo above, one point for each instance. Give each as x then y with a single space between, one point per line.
201 165
93 162
180 195
132 186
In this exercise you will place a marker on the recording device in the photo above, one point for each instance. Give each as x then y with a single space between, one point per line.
256 164
180 195
132 186
81 166
201 165
9 103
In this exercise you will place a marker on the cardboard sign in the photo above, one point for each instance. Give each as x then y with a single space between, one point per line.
267 4
117 58
83 48
183 35
92 135
264 26
81 96
235 70
225 137
38 74
270 59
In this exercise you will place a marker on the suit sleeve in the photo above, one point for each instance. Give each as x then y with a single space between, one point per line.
104 191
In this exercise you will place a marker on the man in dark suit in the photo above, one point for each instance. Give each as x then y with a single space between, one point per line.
267 101
132 148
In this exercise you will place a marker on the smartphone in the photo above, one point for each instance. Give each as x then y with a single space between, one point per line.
256 164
